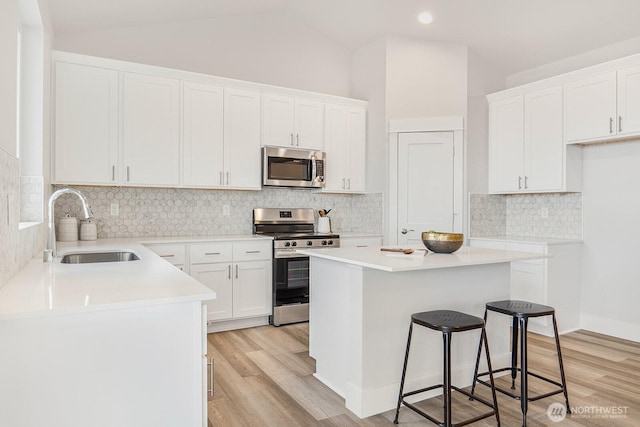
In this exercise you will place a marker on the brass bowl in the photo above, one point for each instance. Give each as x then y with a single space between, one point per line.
442 243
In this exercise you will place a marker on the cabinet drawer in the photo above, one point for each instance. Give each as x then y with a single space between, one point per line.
251 251
360 242
202 253
175 254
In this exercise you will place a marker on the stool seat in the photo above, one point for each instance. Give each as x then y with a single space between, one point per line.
515 308
447 321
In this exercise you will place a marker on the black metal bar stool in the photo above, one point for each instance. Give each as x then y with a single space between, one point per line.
447 322
520 312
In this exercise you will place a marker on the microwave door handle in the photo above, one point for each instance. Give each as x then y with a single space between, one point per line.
313 168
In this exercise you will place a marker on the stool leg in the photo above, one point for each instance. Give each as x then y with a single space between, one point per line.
475 371
514 352
483 337
559 352
404 371
524 372
446 336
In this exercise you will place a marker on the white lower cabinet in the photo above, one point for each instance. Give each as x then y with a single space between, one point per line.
554 281
175 254
240 274
360 241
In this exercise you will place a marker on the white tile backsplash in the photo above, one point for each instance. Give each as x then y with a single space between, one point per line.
556 215
148 212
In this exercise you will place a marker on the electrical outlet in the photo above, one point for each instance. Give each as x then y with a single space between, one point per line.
115 208
544 212
226 210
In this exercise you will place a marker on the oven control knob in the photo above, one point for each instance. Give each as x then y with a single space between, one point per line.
330 243
287 244
324 243
309 243
294 243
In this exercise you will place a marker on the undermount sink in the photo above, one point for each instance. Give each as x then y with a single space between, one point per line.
92 257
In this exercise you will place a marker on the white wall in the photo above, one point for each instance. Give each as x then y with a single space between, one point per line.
8 70
267 48
611 206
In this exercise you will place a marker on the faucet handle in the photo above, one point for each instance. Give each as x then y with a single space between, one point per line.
47 255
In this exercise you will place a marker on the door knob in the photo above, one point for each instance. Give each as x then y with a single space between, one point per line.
405 231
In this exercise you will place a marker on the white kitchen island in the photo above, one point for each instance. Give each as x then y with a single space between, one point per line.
361 301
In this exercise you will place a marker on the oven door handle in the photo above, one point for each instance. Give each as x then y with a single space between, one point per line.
289 254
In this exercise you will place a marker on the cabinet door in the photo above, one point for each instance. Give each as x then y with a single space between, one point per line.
356 149
242 157
506 145
202 135
335 147
590 108
252 289
544 146
309 122
218 277
86 125
278 120
150 130
629 101
528 282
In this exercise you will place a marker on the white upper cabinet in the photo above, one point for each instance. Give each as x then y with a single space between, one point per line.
606 106
150 130
221 137
242 157
292 122
85 147
590 108
526 149
345 147
203 154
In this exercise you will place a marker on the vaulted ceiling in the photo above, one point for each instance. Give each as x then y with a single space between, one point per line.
514 35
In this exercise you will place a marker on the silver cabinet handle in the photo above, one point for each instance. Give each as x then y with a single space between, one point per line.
344 183
212 253
405 231
210 385
252 252
229 271
349 183
128 174
167 256
610 124
526 178
236 271
113 173
221 182
292 140
619 123
297 140
227 178
519 183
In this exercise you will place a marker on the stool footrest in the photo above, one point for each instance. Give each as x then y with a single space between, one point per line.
517 396
436 421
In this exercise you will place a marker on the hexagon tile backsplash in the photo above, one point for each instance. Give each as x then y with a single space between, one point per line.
556 215
149 212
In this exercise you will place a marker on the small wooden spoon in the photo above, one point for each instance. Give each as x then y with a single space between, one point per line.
404 251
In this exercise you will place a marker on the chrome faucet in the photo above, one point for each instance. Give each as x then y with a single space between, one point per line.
50 251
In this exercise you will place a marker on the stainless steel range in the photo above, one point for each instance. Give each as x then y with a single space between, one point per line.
291 229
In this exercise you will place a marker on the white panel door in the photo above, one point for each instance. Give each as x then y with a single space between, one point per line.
217 277
544 146
150 130
252 289
278 120
335 147
506 145
242 157
590 108
308 124
629 101
356 147
425 184
203 135
86 125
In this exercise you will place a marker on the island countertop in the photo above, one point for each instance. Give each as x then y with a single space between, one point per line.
376 259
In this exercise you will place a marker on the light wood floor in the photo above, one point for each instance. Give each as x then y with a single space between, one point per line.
263 377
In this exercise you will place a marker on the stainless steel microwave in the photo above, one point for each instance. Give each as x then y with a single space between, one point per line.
288 167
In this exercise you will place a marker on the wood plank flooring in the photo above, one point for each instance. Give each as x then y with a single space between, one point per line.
263 377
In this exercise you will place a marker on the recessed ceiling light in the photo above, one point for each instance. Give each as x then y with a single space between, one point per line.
425 18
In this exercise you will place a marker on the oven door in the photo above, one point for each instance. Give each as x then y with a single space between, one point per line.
285 167
291 280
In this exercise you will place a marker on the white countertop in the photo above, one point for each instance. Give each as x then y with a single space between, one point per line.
394 262
528 240
44 289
